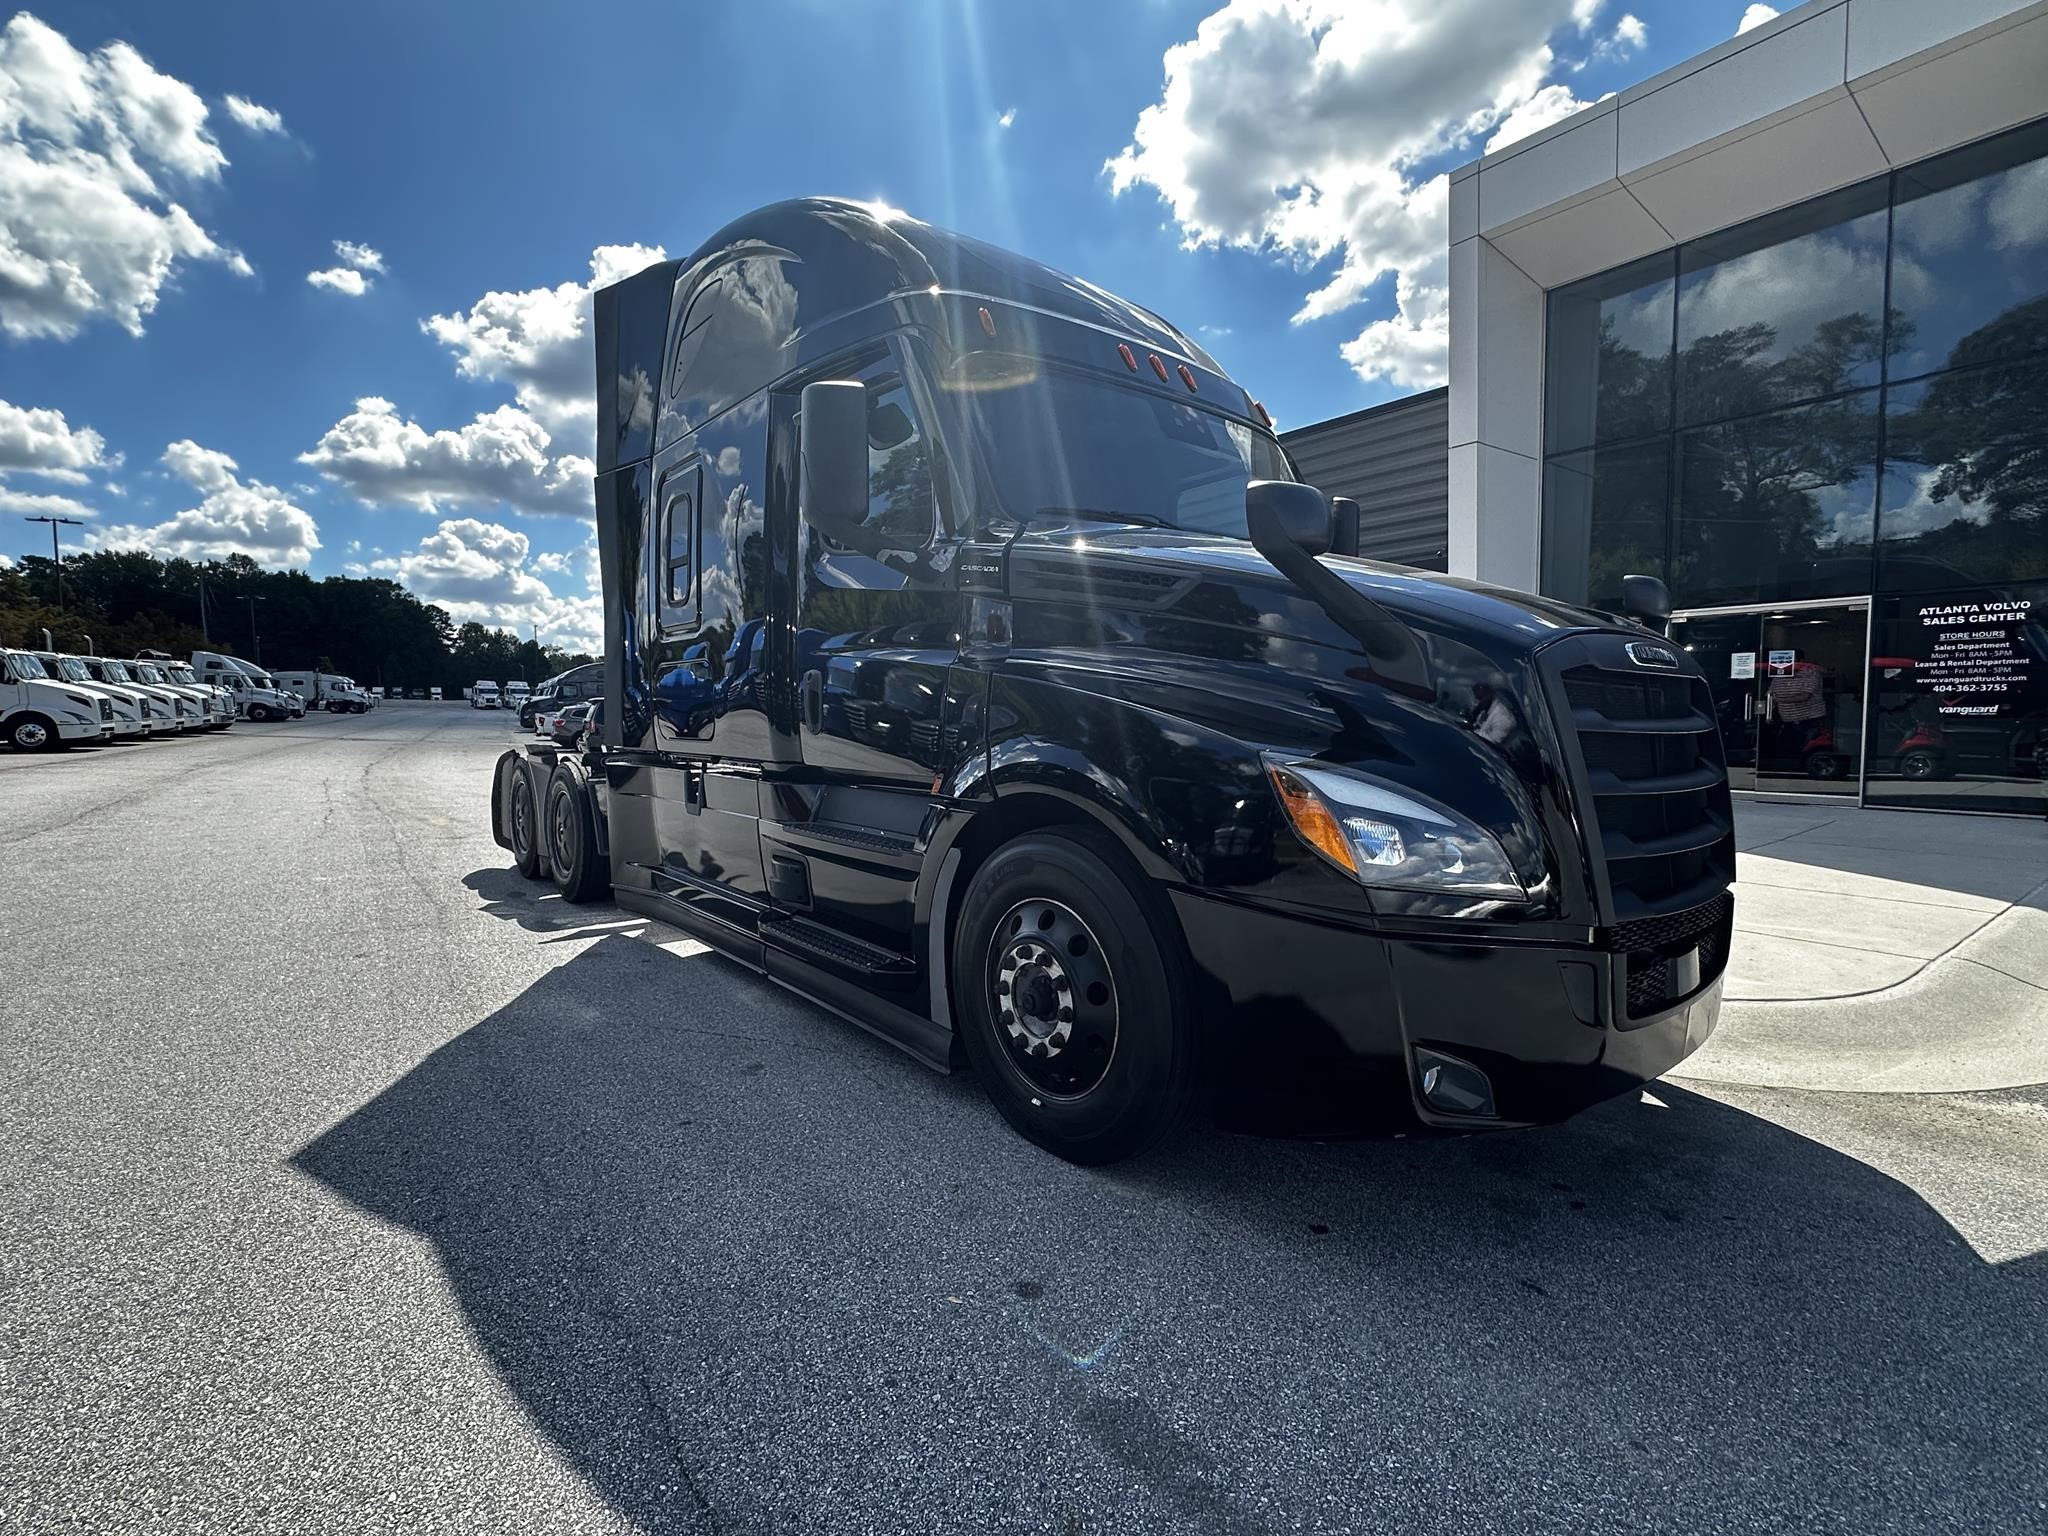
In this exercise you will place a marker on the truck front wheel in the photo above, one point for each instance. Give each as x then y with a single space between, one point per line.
259 712
1072 997
32 733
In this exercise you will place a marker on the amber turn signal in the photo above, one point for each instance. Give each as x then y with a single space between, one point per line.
1312 819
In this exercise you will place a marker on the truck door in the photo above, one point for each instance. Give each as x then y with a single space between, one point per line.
707 570
875 643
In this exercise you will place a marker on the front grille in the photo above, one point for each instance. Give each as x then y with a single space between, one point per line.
1657 785
106 709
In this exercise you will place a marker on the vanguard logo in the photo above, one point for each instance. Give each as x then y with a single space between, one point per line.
1644 654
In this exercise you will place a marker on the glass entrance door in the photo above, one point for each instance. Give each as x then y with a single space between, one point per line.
1788 691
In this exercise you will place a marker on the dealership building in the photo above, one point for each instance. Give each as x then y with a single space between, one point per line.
1773 325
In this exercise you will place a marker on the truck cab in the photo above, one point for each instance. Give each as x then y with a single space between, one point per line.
515 695
41 713
977 665
131 712
257 697
483 694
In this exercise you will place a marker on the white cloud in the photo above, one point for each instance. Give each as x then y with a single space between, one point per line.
1302 127
1009 116
554 563
538 341
341 279
361 257
233 516
41 442
252 117
1754 17
352 277
87 143
1552 104
41 504
480 573
1630 35
501 458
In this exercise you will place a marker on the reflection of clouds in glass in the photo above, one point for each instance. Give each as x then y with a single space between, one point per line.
1910 508
733 336
1641 321
728 461
1793 288
2018 214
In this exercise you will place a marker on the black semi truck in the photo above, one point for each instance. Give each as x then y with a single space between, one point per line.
977 666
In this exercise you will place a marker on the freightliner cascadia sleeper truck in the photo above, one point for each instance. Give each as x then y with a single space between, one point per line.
977 666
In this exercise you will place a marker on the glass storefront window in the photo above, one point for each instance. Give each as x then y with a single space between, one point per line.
1786 308
1970 256
1966 479
1604 513
1959 700
1777 507
1609 347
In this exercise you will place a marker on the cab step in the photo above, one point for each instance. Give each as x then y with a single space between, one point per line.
817 943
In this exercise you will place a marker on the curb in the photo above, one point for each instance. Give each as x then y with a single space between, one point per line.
1973 1019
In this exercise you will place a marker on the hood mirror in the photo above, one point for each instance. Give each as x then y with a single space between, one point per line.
1344 516
1648 601
1281 513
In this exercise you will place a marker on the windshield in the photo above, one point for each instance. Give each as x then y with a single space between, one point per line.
73 670
147 673
114 672
25 665
1058 441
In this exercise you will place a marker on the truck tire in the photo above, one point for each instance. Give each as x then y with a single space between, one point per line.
259 712
33 733
1072 997
522 824
583 873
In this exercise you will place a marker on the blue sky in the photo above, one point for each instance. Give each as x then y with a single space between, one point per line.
1273 194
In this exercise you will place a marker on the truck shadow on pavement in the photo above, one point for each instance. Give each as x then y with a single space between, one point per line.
750 1270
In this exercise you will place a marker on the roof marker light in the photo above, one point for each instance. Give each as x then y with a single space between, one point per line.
1262 413
988 321
1187 376
1130 358
1159 368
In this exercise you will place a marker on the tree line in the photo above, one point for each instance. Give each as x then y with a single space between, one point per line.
121 602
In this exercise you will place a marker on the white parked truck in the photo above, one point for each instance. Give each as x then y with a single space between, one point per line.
218 703
483 694
159 711
516 693
40 713
326 690
130 710
257 697
194 704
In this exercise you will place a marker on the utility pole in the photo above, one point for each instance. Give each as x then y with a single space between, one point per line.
255 640
56 558
205 633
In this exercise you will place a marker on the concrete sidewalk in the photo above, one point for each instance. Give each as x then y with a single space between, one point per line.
1884 951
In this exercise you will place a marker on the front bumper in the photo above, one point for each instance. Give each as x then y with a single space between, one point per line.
1321 1022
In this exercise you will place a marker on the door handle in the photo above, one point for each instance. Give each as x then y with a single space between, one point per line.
813 691
1748 707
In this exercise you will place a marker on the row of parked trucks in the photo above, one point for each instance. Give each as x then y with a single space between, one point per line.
485 694
51 699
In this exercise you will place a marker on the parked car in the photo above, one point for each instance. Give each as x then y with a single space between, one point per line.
566 725
40 713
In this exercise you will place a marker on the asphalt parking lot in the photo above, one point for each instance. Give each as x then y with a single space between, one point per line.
347 1183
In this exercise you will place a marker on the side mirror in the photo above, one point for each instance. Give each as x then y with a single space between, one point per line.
833 444
1344 526
1280 514
1646 600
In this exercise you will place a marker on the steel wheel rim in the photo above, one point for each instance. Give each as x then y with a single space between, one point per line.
1053 998
558 829
522 819
31 733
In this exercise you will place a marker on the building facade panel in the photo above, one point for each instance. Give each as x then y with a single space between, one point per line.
1394 461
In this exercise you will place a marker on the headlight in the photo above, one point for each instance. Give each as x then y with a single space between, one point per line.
1391 839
